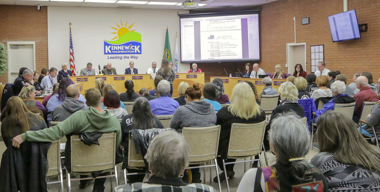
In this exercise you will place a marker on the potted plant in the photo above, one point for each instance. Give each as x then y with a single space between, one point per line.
3 59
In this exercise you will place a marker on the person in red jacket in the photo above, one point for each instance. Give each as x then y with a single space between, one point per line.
299 72
195 69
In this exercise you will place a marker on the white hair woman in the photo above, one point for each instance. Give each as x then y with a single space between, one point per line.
243 109
278 74
290 142
338 88
167 156
195 69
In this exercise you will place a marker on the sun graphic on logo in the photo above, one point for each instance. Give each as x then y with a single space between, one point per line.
122 29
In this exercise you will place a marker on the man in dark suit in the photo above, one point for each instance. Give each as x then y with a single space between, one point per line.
131 69
64 73
21 81
109 70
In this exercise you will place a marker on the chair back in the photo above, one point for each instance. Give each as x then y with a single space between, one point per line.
54 159
308 107
345 108
203 142
165 120
246 140
321 105
367 108
269 102
128 106
134 160
92 158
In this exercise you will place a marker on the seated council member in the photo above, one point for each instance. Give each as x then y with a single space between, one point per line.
257 71
88 70
247 71
290 143
298 71
209 94
164 105
243 109
168 156
153 69
181 92
131 69
64 73
195 69
347 160
268 90
278 74
109 70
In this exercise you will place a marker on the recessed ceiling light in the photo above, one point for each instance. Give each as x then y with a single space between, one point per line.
133 2
162 3
68 0
100 1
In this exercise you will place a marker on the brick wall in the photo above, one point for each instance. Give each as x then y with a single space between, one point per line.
277 29
25 23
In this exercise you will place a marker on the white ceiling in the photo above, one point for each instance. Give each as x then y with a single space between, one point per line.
209 3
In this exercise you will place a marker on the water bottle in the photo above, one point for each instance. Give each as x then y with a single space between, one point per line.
230 75
46 90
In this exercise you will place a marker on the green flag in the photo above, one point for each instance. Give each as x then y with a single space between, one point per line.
167 51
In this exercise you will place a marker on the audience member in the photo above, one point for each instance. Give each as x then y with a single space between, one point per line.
290 79
168 156
370 80
25 79
64 73
298 71
181 92
92 120
353 84
131 69
365 94
338 89
88 70
36 84
290 143
70 105
373 119
322 70
164 105
331 75
59 97
107 88
47 98
346 159
254 89
157 80
21 71
311 86
350 92
144 93
301 85
99 84
49 81
209 94
22 169
195 69
130 95
323 91
44 73
268 90
222 98
112 102
243 109
109 70
278 74
167 73
257 71
247 71
153 69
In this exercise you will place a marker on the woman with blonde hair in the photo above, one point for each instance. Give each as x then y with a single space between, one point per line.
346 159
181 92
17 163
278 74
301 85
99 84
167 73
243 109
322 82
109 87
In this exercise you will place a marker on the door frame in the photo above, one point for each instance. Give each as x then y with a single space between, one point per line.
288 46
9 43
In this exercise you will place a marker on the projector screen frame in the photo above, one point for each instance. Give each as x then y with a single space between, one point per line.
211 14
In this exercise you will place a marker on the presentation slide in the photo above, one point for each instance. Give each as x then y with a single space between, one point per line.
344 26
220 38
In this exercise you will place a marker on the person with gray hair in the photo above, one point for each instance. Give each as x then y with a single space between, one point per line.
109 70
64 73
195 69
164 105
322 70
338 89
88 70
290 142
168 156
221 97
268 90
25 78
365 94
353 84
257 71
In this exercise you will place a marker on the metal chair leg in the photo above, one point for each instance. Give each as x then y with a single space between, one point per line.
217 175
125 176
225 174
116 177
68 182
376 138
204 174
61 180
261 162
265 156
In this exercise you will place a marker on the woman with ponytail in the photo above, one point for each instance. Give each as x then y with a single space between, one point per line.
130 95
290 142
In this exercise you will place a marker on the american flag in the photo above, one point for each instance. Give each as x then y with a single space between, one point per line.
72 60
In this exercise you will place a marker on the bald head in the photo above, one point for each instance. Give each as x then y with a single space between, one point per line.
361 82
72 91
109 66
256 67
